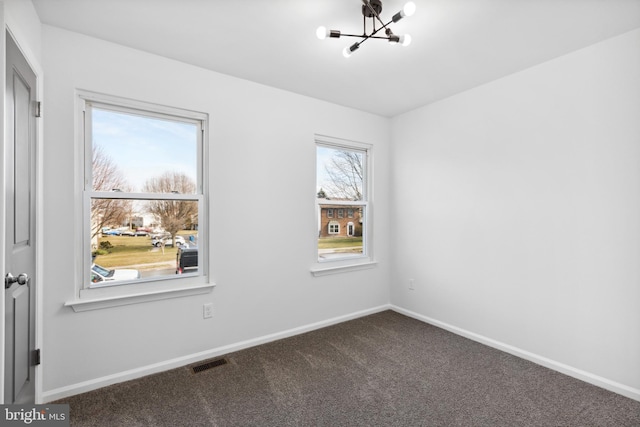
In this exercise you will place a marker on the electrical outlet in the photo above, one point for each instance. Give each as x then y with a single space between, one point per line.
411 284
207 310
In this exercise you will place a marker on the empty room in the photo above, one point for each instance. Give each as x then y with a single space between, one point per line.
321 212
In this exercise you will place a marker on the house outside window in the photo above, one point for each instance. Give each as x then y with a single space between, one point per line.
332 225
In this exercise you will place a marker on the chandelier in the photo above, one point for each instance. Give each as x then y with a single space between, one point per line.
372 9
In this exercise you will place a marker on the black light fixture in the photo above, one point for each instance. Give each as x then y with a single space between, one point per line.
372 9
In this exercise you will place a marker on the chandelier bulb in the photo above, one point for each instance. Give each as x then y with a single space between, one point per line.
409 8
350 49
405 40
322 32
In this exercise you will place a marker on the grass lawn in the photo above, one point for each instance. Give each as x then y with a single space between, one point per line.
133 250
339 242
138 250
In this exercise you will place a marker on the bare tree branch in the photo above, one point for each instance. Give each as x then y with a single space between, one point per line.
174 215
345 172
106 177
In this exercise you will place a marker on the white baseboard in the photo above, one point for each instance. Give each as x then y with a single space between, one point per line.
624 390
94 384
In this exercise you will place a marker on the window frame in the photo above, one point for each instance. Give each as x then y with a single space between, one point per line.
323 267
89 297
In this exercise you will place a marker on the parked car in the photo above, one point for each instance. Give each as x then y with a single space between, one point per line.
128 233
187 260
112 233
168 241
141 232
159 236
101 274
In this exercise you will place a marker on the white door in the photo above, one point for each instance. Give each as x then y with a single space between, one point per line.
20 354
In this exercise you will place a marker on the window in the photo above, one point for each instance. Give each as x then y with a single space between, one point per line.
334 227
144 193
342 187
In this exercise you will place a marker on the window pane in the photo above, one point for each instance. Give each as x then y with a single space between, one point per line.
134 153
340 237
340 173
132 239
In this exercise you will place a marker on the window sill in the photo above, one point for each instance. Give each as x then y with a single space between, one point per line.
96 301
323 269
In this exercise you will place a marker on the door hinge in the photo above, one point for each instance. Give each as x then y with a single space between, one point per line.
38 109
35 357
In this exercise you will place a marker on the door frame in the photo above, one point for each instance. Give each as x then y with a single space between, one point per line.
17 32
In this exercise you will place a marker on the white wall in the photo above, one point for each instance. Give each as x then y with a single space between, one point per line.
262 168
517 212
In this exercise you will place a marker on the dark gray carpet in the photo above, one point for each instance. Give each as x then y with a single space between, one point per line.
381 370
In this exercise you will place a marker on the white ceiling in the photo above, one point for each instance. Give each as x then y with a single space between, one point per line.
457 44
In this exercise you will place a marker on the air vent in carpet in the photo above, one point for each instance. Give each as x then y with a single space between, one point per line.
209 364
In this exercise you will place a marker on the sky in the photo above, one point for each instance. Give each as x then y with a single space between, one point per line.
145 147
323 158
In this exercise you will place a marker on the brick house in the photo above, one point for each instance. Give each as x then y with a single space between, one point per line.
340 220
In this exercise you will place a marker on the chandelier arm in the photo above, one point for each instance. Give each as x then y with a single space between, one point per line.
364 39
373 11
360 36
373 34
370 36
